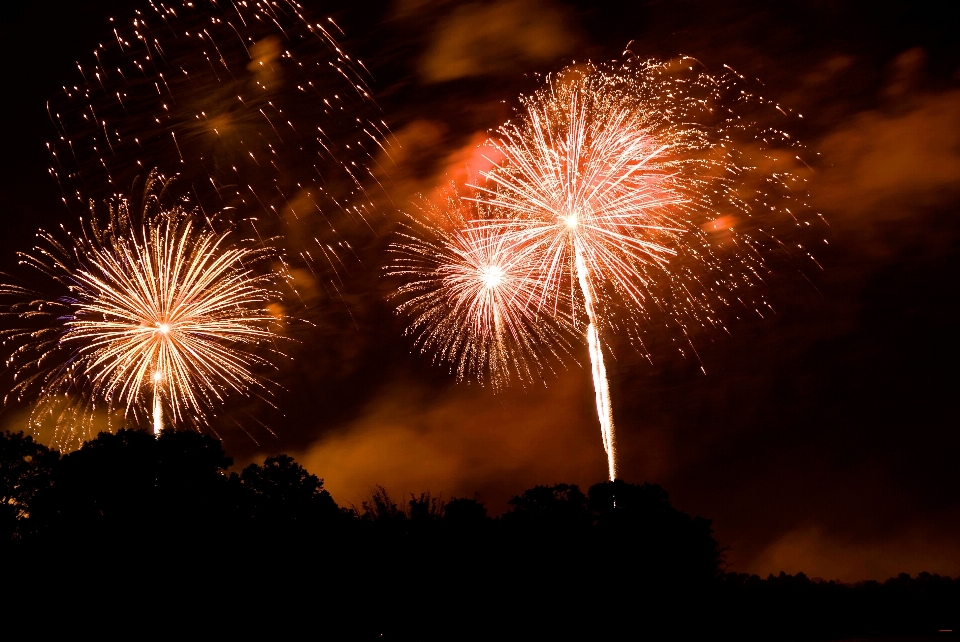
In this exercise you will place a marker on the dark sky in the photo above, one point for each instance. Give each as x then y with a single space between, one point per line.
823 438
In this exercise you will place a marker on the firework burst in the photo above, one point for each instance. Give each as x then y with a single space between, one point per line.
610 176
159 318
470 294
632 192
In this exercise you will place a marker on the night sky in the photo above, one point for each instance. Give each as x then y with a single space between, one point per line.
823 438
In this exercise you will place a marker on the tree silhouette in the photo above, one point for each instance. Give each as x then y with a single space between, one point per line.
426 509
281 491
381 509
131 515
462 512
135 488
639 521
26 469
562 506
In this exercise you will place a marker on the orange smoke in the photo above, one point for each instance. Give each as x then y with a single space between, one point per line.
464 440
832 557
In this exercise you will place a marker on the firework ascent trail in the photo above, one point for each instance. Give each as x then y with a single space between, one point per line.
156 316
632 195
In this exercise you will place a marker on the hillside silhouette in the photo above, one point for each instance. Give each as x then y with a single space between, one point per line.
129 520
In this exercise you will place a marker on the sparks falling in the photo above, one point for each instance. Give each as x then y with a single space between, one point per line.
637 196
253 105
160 319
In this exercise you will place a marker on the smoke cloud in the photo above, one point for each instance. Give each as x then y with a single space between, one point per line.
464 439
818 553
486 38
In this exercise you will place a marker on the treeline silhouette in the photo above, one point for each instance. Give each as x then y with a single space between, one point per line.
129 520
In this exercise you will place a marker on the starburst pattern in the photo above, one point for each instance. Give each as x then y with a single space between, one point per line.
159 318
471 296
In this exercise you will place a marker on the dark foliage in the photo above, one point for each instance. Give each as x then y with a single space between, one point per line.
282 492
795 607
26 470
130 518
133 489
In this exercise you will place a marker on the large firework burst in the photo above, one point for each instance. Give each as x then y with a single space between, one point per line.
634 191
158 317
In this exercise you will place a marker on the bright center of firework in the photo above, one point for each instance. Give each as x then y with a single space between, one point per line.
491 276
571 221
157 376
163 328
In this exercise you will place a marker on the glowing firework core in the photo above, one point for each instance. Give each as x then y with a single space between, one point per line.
492 276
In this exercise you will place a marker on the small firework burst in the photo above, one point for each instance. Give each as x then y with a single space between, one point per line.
471 295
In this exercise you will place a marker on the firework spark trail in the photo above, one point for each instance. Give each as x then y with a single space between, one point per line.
157 316
600 383
470 296
253 105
